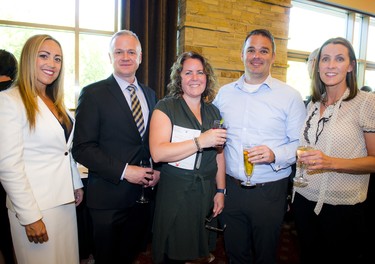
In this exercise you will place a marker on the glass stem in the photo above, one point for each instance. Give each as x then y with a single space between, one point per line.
302 170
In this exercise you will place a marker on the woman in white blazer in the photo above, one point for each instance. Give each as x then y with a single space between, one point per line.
36 167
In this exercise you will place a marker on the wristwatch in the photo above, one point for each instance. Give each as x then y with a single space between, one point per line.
224 191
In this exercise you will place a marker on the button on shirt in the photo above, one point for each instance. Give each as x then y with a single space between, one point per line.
270 115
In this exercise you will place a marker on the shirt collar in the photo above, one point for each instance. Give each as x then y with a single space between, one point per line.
124 84
240 84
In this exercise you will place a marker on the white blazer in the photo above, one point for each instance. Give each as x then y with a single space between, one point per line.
36 167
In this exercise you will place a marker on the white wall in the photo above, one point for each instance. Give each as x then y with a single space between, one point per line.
364 6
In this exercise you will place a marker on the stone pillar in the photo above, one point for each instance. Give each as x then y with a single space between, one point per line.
217 29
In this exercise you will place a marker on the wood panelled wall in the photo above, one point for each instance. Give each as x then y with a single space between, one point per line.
217 29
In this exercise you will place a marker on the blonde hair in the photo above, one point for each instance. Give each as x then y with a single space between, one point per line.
27 79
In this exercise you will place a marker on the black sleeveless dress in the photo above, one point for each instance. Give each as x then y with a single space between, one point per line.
185 197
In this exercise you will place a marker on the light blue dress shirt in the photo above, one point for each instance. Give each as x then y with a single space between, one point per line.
272 115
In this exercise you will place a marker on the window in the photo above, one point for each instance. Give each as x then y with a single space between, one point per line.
371 41
327 22
309 36
370 78
84 37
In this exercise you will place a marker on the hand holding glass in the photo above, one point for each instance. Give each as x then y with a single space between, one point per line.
299 180
248 166
218 124
145 163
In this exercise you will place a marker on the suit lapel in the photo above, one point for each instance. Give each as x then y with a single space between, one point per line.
115 90
48 119
70 139
150 100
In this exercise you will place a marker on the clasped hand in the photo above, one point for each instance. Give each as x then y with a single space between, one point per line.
78 196
213 138
36 232
261 154
140 175
316 160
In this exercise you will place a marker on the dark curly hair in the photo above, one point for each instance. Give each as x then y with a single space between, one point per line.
8 64
174 85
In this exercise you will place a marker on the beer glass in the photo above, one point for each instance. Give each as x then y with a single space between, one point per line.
248 166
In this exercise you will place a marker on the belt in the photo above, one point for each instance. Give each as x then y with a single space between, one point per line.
256 185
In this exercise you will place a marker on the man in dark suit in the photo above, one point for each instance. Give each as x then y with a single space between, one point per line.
8 71
108 142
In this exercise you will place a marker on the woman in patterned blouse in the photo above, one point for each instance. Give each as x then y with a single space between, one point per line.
340 126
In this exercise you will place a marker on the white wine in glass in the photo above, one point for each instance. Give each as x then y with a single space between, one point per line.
299 180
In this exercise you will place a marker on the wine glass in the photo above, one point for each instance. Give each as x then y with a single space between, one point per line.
145 163
299 180
248 166
219 124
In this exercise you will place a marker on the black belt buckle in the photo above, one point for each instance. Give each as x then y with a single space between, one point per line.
239 183
249 187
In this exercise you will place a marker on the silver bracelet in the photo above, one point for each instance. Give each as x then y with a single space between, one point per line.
197 144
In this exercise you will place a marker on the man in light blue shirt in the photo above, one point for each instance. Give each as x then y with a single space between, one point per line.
261 110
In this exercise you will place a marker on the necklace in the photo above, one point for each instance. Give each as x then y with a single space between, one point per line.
326 105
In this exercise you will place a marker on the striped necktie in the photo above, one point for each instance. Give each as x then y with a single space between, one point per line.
137 110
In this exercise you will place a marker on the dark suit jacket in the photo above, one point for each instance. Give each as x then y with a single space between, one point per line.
105 139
